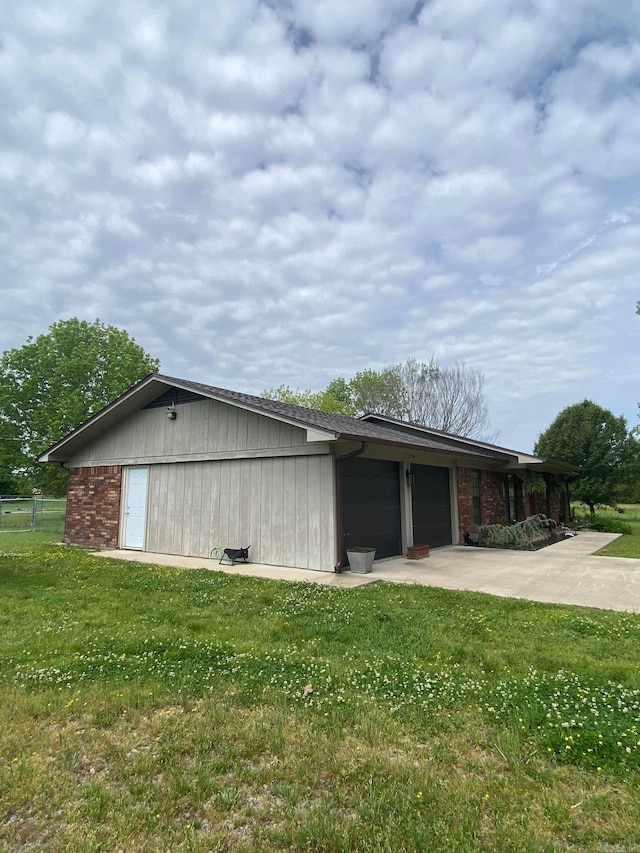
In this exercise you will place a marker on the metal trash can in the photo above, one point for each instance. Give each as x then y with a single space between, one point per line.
361 559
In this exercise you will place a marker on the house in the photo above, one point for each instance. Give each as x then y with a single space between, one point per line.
179 467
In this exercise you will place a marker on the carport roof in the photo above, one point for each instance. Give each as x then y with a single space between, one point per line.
319 425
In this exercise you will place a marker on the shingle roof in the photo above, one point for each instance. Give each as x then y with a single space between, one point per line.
378 430
463 441
342 426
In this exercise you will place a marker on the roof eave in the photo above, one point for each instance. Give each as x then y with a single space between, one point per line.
547 466
456 453
458 442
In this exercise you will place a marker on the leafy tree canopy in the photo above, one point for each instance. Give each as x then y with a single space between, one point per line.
53 383
593 438
335 398
446 398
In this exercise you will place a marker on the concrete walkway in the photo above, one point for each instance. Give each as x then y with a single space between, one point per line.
564 573
254 570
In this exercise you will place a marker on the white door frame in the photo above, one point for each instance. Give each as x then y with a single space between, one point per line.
134 508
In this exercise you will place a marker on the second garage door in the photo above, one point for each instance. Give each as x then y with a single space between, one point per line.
431 503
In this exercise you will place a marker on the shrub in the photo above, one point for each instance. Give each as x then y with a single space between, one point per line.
523 535
609 525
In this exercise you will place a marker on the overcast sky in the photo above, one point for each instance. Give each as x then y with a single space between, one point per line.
289 191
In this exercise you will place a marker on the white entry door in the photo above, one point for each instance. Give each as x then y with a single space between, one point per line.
135 510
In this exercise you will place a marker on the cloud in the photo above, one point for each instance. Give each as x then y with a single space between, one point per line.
274 192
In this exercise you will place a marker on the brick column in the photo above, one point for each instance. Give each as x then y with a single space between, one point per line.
465 503
93 506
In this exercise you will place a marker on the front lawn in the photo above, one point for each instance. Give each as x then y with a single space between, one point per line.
624 546
154 709
625 516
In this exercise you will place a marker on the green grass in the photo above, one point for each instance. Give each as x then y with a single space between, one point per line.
627 545
153 709
18 516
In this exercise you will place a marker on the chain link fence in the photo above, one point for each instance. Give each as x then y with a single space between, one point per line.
45 515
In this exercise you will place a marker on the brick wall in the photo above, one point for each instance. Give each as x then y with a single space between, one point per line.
538 503
465 502
557 507
93 506
492 501
492 497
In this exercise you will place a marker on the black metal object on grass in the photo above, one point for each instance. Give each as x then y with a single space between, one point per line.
233 554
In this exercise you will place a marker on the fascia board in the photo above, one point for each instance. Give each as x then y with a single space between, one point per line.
534 463
314 434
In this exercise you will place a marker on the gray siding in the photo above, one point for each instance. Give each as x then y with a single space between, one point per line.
281 506
202 429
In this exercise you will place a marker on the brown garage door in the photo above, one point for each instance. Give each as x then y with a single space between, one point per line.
431 503
371 505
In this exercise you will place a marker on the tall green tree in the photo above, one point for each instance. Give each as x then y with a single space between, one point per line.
629 490
376 391
594 439
336 397
53 383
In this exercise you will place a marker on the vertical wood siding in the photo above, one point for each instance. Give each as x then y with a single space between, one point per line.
282 507
206 426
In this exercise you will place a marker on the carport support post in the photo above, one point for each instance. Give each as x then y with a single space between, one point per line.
453 503
547 495
406 509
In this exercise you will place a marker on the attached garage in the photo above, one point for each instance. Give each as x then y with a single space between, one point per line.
431 506
281 506
179 467
371 505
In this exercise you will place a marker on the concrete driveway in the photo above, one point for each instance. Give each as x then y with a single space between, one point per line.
564 573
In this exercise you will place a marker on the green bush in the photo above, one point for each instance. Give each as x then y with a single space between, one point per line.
609 525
